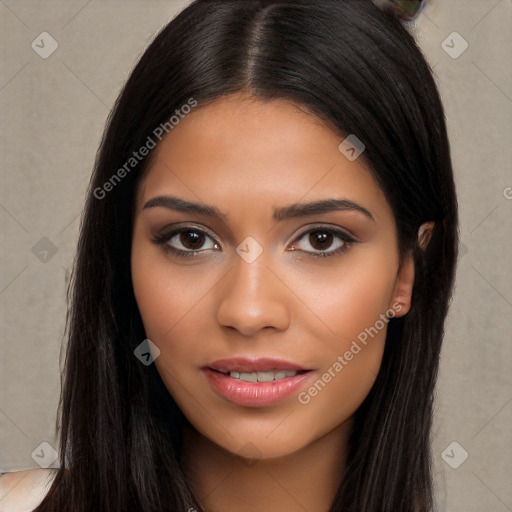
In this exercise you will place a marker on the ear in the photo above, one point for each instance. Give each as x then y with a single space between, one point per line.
424 234
401 301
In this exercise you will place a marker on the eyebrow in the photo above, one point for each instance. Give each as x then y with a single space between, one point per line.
280 214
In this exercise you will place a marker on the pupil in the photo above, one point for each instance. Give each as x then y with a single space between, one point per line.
320 239
192 239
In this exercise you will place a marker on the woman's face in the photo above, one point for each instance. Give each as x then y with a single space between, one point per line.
270 320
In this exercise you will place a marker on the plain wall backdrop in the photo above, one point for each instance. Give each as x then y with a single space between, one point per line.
62 66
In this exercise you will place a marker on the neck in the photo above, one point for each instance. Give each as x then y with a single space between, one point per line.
304 480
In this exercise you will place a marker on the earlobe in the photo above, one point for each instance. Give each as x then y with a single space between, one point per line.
424 234
401 302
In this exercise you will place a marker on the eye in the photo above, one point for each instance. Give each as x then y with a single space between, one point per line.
322 241
189 241
186 241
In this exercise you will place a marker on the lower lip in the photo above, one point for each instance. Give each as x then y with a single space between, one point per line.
254 394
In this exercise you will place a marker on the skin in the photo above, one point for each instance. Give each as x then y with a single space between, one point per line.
247 157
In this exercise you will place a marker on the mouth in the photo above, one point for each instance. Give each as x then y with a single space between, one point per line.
255 382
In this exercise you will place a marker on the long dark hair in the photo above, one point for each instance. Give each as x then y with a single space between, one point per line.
355 66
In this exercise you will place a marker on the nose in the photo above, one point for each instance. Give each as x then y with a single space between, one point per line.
252 298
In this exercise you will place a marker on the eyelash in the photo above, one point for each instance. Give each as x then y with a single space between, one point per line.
162 240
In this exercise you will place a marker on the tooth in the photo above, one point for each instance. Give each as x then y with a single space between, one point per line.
249 377
265 376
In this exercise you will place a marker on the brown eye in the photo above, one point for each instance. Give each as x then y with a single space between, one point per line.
320 240
324 242
192 239
186 241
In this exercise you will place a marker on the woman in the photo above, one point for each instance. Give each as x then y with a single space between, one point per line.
264 269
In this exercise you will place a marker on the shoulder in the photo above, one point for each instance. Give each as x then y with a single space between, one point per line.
23 491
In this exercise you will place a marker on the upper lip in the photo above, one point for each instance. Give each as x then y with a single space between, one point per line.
260 364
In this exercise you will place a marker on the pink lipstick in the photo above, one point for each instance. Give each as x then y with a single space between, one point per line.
255 382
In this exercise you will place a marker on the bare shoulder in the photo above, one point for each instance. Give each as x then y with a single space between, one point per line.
23 491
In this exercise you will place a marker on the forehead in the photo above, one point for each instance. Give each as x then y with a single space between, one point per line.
242 151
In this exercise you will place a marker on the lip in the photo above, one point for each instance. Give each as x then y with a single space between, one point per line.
254 394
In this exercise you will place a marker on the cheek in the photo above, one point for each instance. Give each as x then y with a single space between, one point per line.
166 297
347 300
171 303
350 320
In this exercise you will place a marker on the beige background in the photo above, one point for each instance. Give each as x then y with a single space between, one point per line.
53 113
